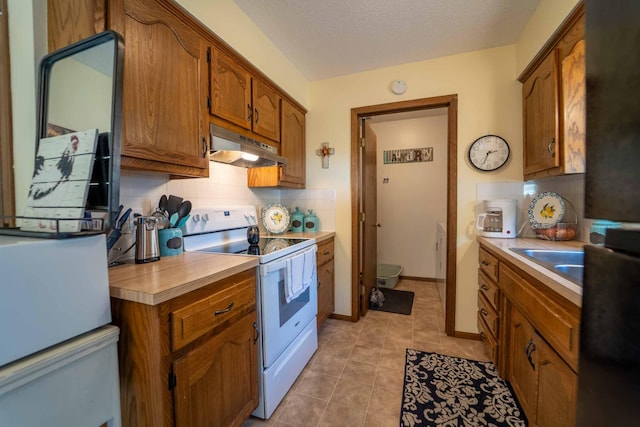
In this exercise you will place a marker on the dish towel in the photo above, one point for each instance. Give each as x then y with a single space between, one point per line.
309 266
293 280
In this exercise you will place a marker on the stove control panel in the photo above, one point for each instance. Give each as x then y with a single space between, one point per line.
219 218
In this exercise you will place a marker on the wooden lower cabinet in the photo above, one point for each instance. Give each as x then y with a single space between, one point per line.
209 377
218 381
521 369
544 384
326 279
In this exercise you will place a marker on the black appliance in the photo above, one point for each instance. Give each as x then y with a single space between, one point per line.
609 377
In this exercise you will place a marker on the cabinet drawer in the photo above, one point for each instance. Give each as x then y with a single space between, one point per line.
198 318
325 252
488 264
488 339
490 290
559 327
488 314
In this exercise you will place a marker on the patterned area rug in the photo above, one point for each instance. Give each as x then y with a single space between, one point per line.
448 391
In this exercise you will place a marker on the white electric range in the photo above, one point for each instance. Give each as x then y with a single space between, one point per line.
288 331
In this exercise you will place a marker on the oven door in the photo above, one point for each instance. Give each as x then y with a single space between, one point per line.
282 322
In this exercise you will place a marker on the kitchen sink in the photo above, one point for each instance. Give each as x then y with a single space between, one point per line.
574 271
567 263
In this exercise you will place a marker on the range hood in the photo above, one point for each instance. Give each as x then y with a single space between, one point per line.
238 150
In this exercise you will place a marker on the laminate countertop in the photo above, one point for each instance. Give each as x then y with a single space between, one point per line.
556 282
160 281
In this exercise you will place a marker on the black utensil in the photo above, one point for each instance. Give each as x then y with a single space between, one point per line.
173 203
162 205
183 210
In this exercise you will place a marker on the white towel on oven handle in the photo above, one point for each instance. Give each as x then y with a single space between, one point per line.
309 266
293 277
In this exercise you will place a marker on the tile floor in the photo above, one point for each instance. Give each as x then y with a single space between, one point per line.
356 376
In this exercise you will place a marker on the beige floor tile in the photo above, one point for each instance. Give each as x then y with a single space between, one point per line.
390 378
338 414
316 385
326 363
352 394
358 372
301 410
366 354
356 376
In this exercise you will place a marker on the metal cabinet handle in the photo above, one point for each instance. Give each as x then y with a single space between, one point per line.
485 263
550 147
529 349
326 253
205 148
257 115
484 311
319 283
255 327
249 112
483 336
226 310
484 287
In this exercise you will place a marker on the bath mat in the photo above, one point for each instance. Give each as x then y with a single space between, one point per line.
395 301
442 390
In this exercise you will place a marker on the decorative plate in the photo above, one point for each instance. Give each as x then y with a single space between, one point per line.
546 210
275 245
276 218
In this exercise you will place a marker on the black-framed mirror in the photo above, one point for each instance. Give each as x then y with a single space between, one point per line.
75 188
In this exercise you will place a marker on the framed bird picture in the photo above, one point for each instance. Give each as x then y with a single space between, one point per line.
60 182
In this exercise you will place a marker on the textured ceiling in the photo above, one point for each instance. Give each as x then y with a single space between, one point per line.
329 38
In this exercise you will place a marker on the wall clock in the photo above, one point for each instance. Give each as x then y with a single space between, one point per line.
488 153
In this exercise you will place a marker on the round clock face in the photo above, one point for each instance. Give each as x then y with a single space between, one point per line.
489 153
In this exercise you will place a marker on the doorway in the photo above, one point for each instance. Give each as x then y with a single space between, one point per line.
364 222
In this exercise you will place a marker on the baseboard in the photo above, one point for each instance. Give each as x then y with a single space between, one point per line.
418 279
343 317
467 335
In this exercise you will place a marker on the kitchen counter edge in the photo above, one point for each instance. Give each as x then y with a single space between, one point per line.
555 282
320 236
160 281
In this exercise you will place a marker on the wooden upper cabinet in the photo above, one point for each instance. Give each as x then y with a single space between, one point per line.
292 147
553 96
266 110
243 99
69 21
163 121
230 90
540 107
292 144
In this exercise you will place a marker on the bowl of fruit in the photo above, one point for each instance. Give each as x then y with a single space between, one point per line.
560 231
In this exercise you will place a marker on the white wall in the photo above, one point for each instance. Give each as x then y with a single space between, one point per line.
415 198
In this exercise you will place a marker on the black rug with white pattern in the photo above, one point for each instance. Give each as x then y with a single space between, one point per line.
442 390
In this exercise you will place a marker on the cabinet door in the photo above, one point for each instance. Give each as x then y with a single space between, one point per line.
540 101
266 110
292 144
557 388
69 21
522 371
162 89
574 100
217 383
230 90
325 291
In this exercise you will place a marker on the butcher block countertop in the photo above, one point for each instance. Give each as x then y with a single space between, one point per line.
160 281
557 283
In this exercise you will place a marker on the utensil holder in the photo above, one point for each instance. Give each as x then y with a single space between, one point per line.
170 241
